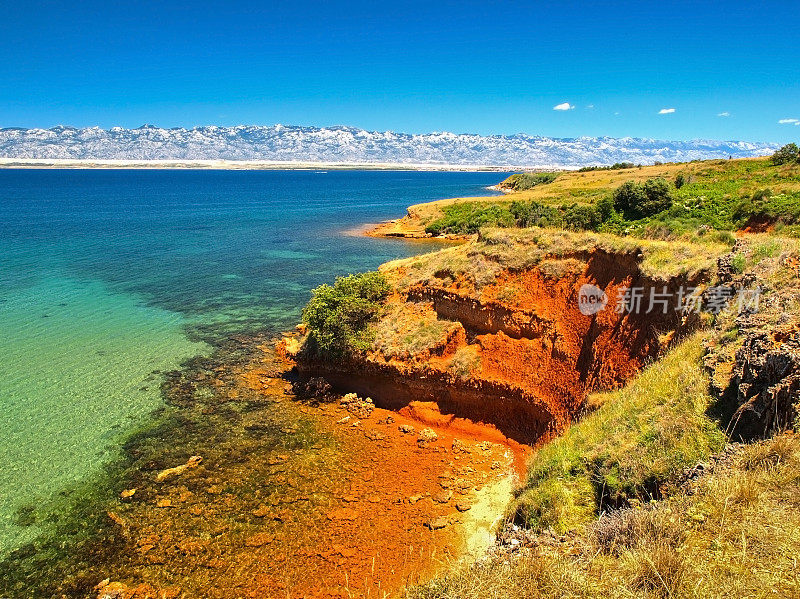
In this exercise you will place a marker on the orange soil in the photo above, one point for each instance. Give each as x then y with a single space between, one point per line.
352 524
536 356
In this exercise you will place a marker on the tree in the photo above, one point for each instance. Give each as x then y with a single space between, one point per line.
636 200
659 196
788 153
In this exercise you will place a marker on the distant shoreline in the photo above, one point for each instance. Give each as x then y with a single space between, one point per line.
66 163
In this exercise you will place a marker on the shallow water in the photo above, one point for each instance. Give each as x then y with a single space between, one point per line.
109 278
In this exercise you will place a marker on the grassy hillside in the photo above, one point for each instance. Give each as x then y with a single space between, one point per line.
686 481
653 494
731 534
639 442
724 195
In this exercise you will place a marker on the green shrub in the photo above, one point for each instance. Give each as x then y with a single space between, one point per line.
788 153
605 208
781 208
636 200
761 195
338 316
582 218
523 181
466 218
533 214
739 263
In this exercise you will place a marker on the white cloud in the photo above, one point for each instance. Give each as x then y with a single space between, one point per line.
726 113
789 122
590 106
563 106
666 111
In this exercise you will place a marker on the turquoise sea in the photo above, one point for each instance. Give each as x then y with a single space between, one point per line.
109 278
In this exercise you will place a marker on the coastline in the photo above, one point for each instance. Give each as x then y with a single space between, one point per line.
69 163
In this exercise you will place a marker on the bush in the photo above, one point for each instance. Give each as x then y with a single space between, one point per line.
533 214
659 196
523 181
582 218
788 153
605 208
468 217
765 206
338 316
636 200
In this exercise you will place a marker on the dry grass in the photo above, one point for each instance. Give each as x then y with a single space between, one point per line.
722 541
411 330
479 262
465 362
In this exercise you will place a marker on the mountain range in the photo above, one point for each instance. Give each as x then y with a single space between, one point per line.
344 145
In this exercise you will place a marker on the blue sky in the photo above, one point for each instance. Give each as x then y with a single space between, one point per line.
479 67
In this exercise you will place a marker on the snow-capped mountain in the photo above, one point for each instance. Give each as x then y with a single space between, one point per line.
352 145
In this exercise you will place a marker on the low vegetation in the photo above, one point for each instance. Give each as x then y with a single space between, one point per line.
663 201
635 445
733 535
524 181
409 331
617 166
480 262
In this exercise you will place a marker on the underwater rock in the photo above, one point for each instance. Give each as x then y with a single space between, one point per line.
192 462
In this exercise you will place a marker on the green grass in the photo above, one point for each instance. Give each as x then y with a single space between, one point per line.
525 181
722 195
639 440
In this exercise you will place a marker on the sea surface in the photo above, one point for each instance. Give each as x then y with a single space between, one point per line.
108 278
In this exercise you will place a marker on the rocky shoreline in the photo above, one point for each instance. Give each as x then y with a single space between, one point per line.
286 479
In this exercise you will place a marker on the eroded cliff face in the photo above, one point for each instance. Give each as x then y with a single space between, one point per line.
514 351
